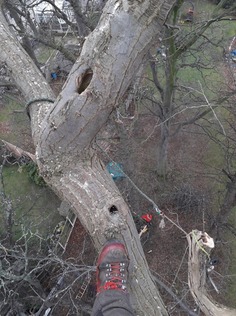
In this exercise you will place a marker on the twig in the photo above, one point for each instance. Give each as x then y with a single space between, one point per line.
179 302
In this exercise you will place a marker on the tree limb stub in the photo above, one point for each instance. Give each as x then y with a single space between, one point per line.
17 152
200 245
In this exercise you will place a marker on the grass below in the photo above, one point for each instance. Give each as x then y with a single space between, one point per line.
34 207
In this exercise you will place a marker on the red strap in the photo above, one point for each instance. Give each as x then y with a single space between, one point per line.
110 286
147 217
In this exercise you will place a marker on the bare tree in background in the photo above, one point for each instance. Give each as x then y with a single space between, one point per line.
45 23
174 100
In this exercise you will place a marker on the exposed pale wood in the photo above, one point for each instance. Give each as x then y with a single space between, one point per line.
200 244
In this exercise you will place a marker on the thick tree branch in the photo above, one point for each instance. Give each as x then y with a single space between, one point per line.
113 52
26 76
64 132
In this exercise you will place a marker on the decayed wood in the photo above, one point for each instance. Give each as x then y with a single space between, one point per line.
200 245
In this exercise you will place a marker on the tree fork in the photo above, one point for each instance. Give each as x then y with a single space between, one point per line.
64 132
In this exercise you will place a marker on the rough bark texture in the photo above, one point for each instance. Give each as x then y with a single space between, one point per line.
64 132
198 249
26 76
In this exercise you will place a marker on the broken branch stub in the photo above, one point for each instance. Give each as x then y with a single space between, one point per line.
200 245
18 152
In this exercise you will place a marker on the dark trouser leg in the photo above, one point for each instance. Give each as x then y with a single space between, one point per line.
112 303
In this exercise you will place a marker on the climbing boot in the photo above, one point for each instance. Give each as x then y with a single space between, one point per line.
112 267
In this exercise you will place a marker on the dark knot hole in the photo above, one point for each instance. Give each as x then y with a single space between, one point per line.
113 210
84 80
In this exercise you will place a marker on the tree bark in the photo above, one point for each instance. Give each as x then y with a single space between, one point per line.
26 43
162 151
166 108
200 245
64 132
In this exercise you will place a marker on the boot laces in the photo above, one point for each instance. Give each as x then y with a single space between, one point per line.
115 276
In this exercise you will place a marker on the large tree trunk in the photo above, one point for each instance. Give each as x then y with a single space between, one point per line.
64 132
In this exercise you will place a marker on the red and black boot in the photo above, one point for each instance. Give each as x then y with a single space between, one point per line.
112 267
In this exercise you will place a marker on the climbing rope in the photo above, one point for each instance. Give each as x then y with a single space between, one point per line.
156 208
199 245
35 101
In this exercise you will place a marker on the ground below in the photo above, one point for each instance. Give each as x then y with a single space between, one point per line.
133 143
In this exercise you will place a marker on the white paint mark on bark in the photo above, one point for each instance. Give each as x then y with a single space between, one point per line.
85 185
